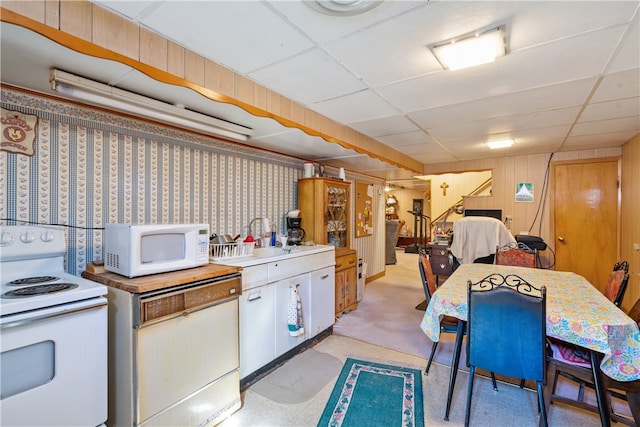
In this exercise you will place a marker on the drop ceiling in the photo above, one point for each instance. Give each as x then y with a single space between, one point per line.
570 80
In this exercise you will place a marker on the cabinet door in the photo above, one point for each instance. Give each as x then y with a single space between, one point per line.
340 283
284 340
336 218
322 300
350 287
257 328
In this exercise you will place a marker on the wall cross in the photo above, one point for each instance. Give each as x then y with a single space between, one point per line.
444 187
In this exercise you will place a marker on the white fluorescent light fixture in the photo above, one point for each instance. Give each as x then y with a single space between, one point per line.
471 49
108 96
503 143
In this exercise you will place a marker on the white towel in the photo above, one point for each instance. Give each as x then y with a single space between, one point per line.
294 313
477 237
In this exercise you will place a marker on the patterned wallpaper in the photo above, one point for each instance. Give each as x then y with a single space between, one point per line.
92 167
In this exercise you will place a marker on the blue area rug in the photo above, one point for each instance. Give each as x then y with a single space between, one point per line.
370 394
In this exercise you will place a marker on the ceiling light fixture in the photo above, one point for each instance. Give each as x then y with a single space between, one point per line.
480 47
108 96
342 7
503 143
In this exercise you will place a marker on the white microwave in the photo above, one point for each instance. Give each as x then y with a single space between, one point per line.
140 249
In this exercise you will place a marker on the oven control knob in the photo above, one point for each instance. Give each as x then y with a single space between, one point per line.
6 239
27 237
47 236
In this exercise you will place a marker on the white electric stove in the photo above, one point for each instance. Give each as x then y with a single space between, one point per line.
53 334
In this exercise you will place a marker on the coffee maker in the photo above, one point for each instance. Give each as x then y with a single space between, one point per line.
295 233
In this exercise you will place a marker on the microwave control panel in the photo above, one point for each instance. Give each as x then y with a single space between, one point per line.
203 245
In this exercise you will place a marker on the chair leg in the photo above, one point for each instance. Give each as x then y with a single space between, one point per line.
633 398
541 405
522 383
494 382
603 408
433 352
454 366
472 371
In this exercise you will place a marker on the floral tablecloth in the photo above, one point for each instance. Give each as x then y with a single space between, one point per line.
576 312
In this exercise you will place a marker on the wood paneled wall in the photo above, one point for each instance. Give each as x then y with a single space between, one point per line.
507 172
630 218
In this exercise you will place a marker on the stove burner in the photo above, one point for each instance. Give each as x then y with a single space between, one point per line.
39 290
33 280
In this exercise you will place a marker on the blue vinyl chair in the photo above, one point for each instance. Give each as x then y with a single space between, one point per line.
506 331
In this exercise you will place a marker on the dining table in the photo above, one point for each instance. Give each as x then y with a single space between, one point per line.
576 312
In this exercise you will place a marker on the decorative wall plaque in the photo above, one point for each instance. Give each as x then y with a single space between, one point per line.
18 132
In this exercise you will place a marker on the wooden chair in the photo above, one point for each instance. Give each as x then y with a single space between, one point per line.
617 283
447 324
582 373
519 255
495 305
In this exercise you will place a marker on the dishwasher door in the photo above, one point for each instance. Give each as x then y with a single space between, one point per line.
186 352
182 356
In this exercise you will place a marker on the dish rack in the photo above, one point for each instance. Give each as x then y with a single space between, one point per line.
221 251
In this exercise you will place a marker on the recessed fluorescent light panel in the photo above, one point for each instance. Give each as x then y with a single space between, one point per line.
503 143
471 49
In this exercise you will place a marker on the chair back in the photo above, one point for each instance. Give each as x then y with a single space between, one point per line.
428 278
617 283
634 313
518 255
507 326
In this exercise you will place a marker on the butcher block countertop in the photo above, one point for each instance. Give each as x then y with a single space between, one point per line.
95 271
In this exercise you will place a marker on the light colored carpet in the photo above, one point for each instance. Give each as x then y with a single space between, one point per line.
300 378
387 316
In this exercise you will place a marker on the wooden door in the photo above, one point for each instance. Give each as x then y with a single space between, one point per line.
586 205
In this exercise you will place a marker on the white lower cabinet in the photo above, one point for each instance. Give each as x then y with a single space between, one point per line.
322 289
284 340
264 303
257 328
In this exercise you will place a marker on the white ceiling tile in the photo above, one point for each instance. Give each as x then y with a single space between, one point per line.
308 78
629 107
346 109
242 35
384 126
607 126
598 141
629 54
406 139
620 85
539 22
563 95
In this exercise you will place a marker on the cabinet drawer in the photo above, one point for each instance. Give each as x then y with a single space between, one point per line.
441 265
345 261
439 251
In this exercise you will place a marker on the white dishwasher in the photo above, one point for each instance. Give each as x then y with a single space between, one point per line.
174 354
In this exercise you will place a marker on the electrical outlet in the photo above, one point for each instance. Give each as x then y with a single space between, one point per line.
636 246
508 218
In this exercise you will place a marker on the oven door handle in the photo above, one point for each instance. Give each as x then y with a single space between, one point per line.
35 319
